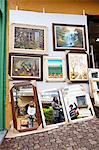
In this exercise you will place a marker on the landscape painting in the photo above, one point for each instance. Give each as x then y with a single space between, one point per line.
55 69
69 37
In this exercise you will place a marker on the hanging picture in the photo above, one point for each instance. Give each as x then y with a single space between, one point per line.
25 67
52 107
69 37
55 69
95 85
78 106
93 73
77 66
28 39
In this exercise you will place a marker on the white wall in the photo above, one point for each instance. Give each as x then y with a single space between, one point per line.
46 19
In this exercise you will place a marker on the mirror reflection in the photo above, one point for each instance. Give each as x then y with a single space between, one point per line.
25 107
52 107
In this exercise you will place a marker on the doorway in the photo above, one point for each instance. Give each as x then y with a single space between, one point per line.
93 28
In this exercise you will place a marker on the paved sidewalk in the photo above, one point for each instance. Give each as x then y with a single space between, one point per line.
78 136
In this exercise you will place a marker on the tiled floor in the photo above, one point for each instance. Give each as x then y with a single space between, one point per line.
78 136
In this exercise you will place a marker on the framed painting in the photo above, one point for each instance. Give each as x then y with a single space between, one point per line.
78 106
96 98
77 65
28 39
52 107
55 68
67 36
25 67
95 85
93 73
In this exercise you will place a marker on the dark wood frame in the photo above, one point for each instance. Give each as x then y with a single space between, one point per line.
67 60
27 77
39 118
84 48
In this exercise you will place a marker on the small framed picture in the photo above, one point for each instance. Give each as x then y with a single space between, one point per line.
52 107
77 65
81 101
96 98
55 69
25 67
28 39
95 85
67 36
93 73
78 106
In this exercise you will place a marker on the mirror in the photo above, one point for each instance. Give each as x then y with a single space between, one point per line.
53 107
25 107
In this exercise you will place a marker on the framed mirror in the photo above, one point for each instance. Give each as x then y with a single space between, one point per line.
25 107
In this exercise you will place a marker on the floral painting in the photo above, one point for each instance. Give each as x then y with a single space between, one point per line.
78 66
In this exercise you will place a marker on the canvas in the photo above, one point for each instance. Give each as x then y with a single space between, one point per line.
28 39
69 37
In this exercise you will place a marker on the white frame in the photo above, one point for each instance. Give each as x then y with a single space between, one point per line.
47 79
93 70
41 108
94 85
96 99
28 51
73 96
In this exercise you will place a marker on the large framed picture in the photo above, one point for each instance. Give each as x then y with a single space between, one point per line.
67 36
77 65
25 107
52 107
25 67
55 68
78 106
28 39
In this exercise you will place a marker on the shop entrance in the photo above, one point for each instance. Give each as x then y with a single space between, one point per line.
93 30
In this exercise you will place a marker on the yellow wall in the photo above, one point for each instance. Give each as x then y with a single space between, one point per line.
57 6
51 6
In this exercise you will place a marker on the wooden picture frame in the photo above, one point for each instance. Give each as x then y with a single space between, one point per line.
22 95
77 66
31 39
23 66
78 112
55 69
47 109
69 36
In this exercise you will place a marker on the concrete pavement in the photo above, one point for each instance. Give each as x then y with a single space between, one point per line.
78 136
